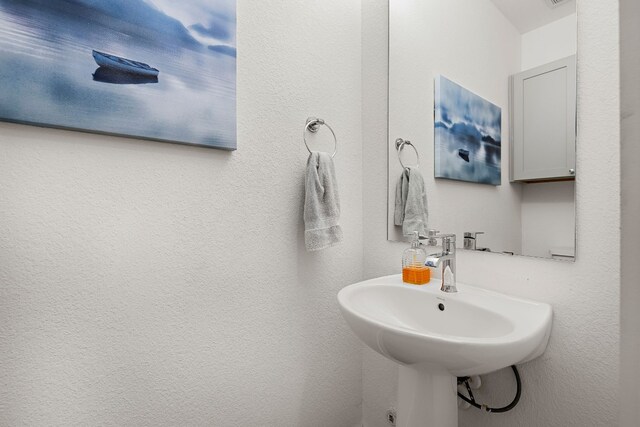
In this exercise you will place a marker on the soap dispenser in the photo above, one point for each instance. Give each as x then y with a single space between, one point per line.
413 269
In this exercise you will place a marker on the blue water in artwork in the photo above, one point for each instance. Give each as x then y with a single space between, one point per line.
49 77
467 135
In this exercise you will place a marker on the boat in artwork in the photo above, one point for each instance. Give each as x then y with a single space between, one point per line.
464 154
124 65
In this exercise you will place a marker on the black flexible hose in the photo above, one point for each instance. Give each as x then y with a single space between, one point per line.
471 400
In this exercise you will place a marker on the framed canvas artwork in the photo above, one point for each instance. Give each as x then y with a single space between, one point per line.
467 136
155 69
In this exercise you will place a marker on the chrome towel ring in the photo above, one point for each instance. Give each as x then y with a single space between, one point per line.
400 144
313 124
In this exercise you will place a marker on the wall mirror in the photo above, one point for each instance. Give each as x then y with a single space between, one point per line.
485 92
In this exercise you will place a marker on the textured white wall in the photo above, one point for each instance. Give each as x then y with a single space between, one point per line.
575 383
630 292
550 42
480 53
144 283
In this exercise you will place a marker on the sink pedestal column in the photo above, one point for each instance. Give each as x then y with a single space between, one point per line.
427 397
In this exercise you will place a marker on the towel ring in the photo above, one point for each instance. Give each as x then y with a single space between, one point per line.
400 144
313 124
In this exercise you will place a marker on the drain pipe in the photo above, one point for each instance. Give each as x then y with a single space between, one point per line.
472 401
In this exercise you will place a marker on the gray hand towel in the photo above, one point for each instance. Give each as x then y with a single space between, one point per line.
321 203
411 203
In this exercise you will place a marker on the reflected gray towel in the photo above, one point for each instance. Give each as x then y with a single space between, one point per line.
411 203
321 203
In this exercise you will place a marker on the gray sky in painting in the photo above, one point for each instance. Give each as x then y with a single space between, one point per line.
459 105
209 21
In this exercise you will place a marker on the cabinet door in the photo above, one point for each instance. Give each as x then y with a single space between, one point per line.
543 122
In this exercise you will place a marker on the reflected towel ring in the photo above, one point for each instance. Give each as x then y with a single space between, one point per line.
400 144
313 124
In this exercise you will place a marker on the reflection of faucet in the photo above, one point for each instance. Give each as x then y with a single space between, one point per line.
471 239
446 258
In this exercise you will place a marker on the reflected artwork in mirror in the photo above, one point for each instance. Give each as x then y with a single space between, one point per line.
467 135
511 68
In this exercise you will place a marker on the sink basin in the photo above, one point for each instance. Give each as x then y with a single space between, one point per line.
471 332
439 336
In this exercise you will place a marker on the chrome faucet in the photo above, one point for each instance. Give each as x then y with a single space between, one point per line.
470 239
444 259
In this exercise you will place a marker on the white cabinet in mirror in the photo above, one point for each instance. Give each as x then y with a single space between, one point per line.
513 187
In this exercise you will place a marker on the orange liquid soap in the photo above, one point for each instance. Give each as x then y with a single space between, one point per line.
416 274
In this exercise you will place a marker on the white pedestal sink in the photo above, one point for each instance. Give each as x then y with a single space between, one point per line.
437 336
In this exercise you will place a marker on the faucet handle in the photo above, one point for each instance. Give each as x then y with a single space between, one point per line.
431 235
470 238
472 234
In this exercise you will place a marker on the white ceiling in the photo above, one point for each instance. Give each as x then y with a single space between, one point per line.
527 15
